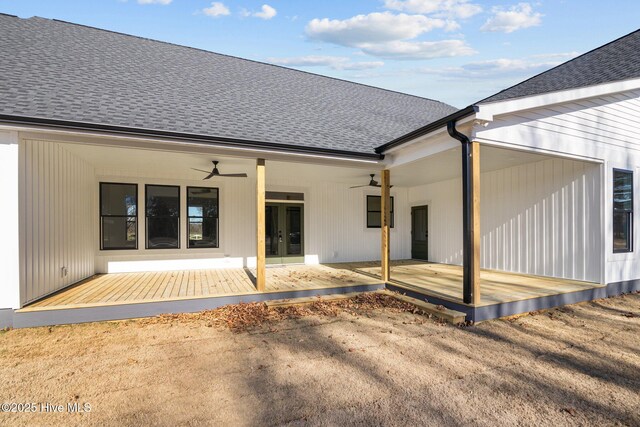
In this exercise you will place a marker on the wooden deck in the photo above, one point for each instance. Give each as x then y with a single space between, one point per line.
438 280
496 287
119 288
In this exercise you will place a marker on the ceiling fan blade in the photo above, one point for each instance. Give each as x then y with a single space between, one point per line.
375 185
359 186
209 176
200 170
234 175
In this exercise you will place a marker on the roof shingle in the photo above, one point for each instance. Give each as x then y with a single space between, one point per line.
615 61
57 70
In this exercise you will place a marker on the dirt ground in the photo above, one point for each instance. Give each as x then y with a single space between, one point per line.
578 365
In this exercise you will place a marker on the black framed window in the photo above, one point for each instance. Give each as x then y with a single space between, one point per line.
622 210
118 216
163 216
202 221
374 212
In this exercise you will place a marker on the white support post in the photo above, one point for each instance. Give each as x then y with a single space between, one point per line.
9 221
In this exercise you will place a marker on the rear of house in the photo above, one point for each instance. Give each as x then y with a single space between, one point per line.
522 201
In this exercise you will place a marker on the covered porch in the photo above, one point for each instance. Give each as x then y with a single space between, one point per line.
159 286
529 232
502 293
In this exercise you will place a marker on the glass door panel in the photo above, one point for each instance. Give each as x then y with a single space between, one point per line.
271 231
294 230
284 233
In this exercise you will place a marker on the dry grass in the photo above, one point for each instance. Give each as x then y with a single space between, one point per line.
241 317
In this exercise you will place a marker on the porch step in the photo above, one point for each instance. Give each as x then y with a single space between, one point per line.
451 316
309 300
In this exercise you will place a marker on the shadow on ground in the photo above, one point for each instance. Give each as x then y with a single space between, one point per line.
571 366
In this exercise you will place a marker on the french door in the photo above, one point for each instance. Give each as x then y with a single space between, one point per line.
284 231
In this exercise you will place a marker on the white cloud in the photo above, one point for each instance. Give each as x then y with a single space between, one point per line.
389 35
515 18
334 62
418 49
216 9
553 56
164 2
372 28
502 67
450 8
267 12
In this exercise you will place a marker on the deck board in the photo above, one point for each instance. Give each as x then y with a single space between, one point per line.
164 285
440 280
445 281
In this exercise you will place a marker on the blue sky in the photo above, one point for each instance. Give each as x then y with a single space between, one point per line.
456 51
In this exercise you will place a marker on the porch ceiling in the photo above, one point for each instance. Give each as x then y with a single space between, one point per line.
448 165
109 160
442 166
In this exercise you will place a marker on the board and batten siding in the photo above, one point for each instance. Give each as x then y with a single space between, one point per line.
334 224
600 128
603 128
539 218
57 219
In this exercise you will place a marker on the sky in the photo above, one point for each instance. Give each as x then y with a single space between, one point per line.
455 51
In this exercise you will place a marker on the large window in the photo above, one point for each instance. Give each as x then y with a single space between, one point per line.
118 216
202 210
163 216
622 211
374 214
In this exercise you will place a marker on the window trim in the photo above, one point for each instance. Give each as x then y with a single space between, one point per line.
367 211
146 217
100 216
629 212
188 217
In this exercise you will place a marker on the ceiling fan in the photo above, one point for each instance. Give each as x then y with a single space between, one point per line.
372 183
216 172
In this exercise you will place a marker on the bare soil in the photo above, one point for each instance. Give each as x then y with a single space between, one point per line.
362 362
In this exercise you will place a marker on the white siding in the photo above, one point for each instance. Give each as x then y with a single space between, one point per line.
335 221
9 220
334 225
57 219
539 218
602 128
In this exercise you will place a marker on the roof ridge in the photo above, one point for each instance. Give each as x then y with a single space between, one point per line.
239 58
557 66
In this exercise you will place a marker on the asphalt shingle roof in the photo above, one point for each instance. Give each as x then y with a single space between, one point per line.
615 61
58 70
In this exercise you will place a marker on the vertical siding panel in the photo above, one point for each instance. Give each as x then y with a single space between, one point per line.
537 218
58 192
40 214
28 227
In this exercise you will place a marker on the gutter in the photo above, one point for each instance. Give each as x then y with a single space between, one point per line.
460 114
467 212
185 137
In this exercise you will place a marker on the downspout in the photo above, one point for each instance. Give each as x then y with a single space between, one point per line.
467 216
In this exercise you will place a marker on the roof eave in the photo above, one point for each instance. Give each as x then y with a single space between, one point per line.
187 137
465 112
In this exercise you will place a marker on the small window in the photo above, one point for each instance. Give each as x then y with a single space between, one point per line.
118 216
622 211
374 213
163 216
202 222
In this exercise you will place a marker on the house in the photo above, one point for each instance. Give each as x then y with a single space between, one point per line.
524 200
